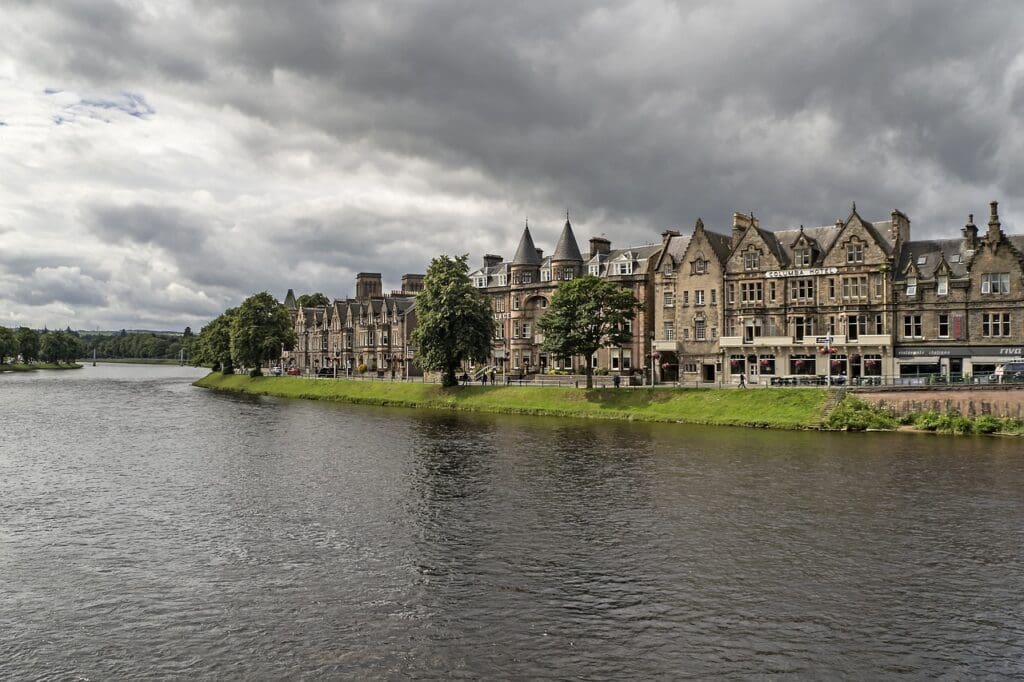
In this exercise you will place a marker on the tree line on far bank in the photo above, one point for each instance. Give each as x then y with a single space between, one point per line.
32 346
67 346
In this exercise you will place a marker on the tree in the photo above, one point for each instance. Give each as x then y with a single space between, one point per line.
214 346
60 347
188 333
453 320
316 300
585 314
260 329
28 344
8 344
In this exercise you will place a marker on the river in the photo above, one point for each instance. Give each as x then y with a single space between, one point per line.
153 529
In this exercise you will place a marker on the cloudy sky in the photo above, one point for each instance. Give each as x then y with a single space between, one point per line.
162 160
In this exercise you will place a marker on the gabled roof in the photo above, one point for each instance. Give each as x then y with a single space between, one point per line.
933 252
567 248
526 253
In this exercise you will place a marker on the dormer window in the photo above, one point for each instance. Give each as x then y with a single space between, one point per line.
545 275
502 280
911 286
594 270
802 257
626 268
921 260
480 282
942 287
854 252
751 259
700 266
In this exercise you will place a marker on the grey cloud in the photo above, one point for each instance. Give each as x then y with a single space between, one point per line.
61 285
172 228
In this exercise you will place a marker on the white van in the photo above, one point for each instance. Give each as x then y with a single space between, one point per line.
1012 371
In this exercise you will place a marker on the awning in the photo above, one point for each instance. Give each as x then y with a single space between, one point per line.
919 360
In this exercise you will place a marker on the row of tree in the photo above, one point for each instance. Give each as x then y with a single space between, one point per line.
143 345
454 323
248 336
31 346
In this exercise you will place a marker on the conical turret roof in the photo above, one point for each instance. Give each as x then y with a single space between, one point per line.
567 248
526 254
289 299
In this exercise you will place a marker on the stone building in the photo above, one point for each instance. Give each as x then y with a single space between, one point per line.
521 289
370 331
960 303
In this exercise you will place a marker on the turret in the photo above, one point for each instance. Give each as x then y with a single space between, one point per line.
566 260
525 264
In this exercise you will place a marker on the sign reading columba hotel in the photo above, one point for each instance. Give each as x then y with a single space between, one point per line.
803 272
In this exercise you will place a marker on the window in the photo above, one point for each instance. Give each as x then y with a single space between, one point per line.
943 326
627 326
751 259
922 260
699 266
751 330
872 365
502 280
690 367
912 328
803 365
831 287
479 282
686 334
911 286
499 305
995 283
751 292
698 297
515 303
669 299
515 329
855 252
526 330
855 326
855 287
545 275
995 324
670 331
686 298
942 286
594 270
766 364
568 274
527 277
955 258
803 326
714 296
801 290
625 268
627 359
730 293
771 290
802 257
699 330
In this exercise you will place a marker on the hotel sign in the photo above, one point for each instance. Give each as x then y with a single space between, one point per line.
802 272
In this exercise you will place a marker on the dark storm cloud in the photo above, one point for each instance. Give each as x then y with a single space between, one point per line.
635 115
179 231
60 284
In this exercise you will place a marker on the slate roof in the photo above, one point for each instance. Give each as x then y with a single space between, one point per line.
567 248
526 254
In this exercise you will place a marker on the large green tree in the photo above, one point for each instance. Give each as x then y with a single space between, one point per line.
60 347
453 320
28 344
261 328
585 314
317 300
8 344
214 345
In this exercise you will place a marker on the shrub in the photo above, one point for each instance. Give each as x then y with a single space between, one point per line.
255 372
853 414
361 368
987 424
601 372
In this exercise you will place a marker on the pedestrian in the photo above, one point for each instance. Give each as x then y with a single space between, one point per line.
493 377
743 381
616 380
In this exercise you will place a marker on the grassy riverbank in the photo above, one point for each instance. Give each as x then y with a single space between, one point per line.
778 408
38 365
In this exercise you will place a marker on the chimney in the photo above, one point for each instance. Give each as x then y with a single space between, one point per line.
368 285
970 233
994 233
599 245
740 223
412 284
899 228
540 254
490 260
668 234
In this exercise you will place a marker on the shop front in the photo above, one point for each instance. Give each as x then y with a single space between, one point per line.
922 364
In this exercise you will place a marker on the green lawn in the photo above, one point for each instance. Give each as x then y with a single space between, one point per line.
781 408
38 365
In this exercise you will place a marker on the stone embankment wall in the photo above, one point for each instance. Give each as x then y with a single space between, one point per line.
970 402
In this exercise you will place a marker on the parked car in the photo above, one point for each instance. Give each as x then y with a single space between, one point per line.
276 371
1011 372
294 371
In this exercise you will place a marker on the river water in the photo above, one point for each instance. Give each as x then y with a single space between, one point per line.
153 529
